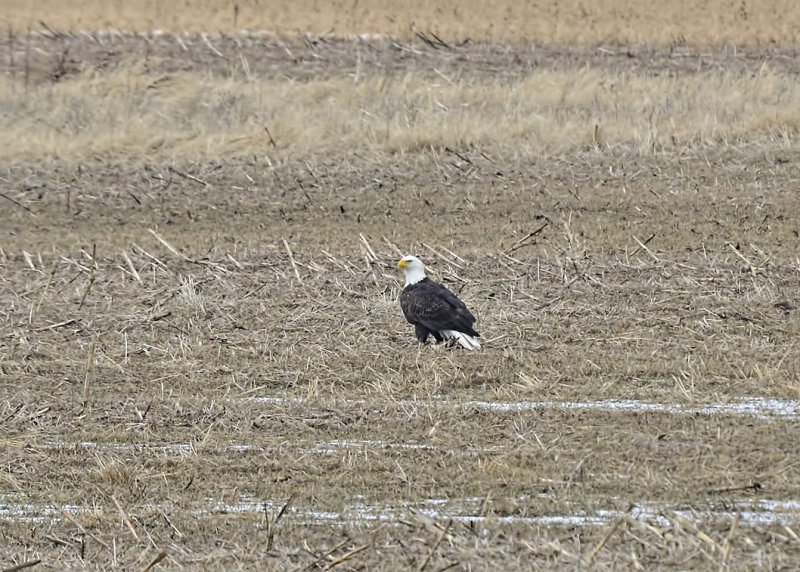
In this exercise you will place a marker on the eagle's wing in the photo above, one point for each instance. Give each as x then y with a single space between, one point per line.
436 308
451 299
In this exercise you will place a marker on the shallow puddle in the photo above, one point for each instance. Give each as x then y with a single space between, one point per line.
756 406
468 510
750 511
762 407
13 506
329 447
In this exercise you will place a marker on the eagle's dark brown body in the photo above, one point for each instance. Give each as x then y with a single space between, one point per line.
435 310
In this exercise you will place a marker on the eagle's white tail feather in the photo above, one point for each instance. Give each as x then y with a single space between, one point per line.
465 340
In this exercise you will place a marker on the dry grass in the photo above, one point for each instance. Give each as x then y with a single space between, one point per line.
752 22
193 322
189 345
103 106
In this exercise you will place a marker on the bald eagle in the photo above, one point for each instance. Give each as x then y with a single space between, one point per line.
433 309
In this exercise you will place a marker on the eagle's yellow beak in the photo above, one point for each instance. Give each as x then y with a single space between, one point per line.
402 264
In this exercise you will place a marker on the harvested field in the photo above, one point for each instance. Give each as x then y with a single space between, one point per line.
203 364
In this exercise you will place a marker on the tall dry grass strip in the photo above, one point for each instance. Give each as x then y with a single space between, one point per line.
543 109
442 26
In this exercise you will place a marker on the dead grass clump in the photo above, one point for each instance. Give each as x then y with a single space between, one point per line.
115 472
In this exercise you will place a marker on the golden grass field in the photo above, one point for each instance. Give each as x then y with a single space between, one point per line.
203 363
733 22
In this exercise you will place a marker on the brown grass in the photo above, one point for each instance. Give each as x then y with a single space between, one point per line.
759 22
194 338
218 316
105 106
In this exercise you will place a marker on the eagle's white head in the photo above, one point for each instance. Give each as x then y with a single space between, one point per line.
414 269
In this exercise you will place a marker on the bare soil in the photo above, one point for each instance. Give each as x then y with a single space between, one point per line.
178 338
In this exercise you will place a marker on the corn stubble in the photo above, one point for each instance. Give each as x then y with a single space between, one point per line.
199 309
